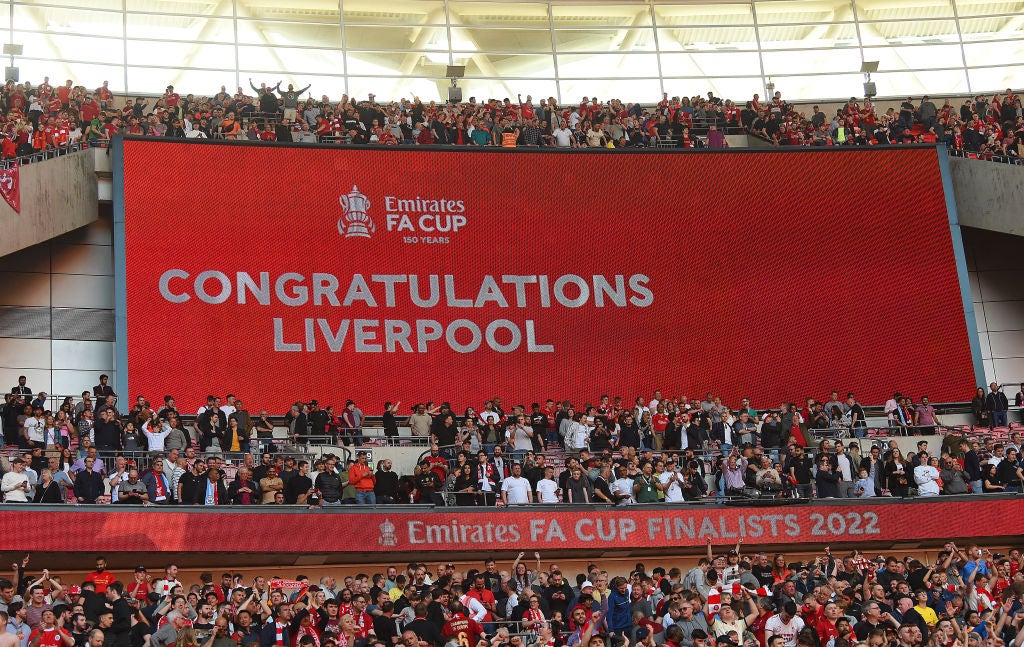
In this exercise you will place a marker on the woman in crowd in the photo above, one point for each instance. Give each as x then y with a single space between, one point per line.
894 474
990 480
47 490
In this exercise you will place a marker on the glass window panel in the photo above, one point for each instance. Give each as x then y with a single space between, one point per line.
286 59
261 32
612 65
627 90
817 88
809 61
985 7
361 37
323 11
797 11
610 15
86 4
999 53
484 89
809 36
399 12
148 80
711 65
508 14
88 74
196 7
68 21
999 27
95 50
892 10
510 65
397 63
703 14
147 52
914 58
186 28
909 32
703 38
501 40
902 84
388 89
996 79
604 40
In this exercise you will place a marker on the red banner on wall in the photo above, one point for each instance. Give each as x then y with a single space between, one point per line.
538 528
280 273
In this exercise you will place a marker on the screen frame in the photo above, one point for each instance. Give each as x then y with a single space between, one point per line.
122 380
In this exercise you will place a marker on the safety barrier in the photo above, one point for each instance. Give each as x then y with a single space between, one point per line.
42 155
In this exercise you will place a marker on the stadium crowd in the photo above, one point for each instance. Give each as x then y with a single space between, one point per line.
658 449
967 597
41 117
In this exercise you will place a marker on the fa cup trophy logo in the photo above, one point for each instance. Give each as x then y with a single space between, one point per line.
355 223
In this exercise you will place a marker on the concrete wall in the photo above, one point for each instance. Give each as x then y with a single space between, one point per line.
57 310
995 267
988 195
57 196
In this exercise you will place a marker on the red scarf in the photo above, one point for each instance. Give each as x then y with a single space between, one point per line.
279 636
161 493
535 615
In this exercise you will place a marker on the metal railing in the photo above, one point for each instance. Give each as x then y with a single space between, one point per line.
988 156
44 154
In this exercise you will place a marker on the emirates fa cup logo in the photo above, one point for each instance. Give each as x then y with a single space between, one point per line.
387 534
355 223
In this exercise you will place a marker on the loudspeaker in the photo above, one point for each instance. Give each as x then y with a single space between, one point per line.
454 94
11 74
869 89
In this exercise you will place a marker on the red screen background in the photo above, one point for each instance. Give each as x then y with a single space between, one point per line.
775 275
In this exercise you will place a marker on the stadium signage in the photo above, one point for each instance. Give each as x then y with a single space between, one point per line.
548 275
512 529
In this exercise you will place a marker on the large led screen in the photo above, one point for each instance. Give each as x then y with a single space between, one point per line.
284 273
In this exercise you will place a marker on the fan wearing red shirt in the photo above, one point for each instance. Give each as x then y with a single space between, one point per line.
64 92
54 106
659 421
48 634
463 630
101 577
363 621
104 94
826 627
483 595
112 128
438 463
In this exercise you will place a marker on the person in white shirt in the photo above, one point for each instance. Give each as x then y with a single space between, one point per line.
671 482
652 406
117 477
563 136
547 488
786 624
926 477
622 487
155 434
846 472
515 490
15 483
229 408
579 434
34 428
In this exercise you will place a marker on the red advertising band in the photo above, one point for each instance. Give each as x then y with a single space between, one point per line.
391 264
593 530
